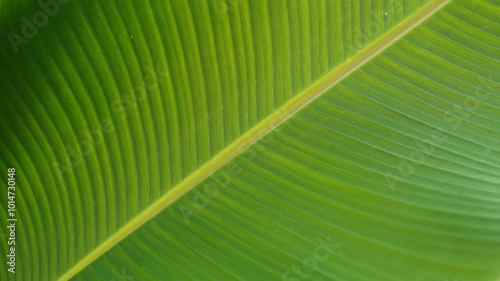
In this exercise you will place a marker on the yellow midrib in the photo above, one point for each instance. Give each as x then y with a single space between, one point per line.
261 129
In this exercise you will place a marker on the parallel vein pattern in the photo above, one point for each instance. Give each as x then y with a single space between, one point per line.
262 214
112 104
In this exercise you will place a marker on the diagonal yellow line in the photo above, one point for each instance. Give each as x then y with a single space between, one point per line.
272 121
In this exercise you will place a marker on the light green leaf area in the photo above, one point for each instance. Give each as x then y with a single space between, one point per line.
253 140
